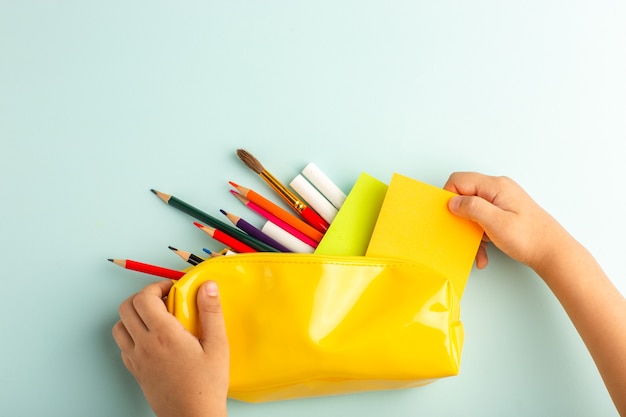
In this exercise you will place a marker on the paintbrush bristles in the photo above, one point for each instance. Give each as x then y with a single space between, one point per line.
250 161
280 189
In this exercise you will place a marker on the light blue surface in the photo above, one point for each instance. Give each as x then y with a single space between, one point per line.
101 101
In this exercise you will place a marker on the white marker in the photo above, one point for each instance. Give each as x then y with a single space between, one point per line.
314 198
324 185
285 238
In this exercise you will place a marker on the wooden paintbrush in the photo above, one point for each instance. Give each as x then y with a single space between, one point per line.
307 213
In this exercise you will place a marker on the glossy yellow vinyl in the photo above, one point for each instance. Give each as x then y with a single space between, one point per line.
302 325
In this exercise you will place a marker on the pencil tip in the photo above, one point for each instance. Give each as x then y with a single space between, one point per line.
110 260
198 225
162 196
239 196
234 184
172 248
223 212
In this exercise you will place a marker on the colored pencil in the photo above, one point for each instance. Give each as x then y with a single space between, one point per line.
213 222
211 253
231 242
187 256
158 271
279 212
223 252
276 220
254 231
307 213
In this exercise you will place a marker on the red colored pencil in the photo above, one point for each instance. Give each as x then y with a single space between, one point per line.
228 240
158 271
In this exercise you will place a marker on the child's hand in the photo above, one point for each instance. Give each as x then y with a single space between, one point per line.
525 232
510 218
179 374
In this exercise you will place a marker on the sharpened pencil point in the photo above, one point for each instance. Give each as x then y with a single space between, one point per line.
172 248
162 196
223 212
239 197
118 262
234 184
198 225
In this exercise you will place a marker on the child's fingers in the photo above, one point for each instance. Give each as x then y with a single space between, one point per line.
149 305
135 311
498 190
479 210
472 183
133 324
122 337
481 257
213 338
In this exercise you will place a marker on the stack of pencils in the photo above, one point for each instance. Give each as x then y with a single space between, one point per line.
299 231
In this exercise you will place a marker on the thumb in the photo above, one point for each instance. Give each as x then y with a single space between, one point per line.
213 330
478 210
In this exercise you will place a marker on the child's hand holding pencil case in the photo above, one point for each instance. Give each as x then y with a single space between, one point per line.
303 325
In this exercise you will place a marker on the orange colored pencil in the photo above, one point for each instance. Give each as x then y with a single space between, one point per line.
228 240
279 212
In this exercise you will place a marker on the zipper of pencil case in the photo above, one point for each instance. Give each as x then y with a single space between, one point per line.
312 258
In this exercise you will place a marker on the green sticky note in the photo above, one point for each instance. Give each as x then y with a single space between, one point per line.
350 231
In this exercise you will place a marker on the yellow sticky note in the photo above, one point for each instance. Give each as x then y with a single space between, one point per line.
350 231
414 223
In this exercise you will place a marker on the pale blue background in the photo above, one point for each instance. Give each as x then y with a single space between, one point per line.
101 101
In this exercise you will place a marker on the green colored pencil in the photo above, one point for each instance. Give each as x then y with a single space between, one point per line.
213 222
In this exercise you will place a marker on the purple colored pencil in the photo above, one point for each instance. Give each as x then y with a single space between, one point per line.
274 219
255 232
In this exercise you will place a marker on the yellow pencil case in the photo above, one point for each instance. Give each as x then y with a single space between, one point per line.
304 325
